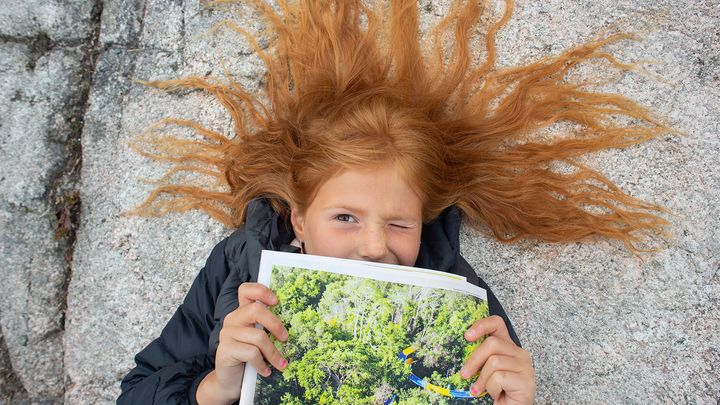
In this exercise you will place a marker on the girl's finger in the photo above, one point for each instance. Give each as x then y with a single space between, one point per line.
259 339
515 387
248 293
497 383
489 347
254 313
490 326
497 363
244 353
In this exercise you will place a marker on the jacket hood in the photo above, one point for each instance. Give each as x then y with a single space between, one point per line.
266 229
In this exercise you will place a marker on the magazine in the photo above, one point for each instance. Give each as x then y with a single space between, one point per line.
366 333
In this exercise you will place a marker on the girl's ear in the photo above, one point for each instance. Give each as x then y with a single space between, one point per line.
298 223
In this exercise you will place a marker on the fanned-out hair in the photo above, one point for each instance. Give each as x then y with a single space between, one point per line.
350 86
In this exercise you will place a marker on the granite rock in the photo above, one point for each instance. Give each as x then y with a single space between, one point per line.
603 325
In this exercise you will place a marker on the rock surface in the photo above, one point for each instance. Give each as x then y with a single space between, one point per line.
45 72
603 325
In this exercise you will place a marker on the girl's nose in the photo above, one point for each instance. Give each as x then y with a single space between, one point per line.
373 246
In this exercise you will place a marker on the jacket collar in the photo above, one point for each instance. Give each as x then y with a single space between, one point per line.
264 229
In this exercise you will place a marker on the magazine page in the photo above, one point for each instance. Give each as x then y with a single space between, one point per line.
440 274
366 333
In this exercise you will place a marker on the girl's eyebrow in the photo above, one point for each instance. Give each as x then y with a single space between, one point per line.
346 208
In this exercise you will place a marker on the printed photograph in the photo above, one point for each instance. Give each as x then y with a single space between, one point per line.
355 340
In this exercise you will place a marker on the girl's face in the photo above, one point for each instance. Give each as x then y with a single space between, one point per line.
369 214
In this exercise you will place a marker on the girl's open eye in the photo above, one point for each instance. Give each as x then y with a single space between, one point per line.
344 218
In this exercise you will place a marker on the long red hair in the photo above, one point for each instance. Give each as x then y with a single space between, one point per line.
344 91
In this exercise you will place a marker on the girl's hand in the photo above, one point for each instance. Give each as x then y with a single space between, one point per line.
506 370
241 342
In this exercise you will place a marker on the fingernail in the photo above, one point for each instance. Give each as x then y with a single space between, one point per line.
463 373
267 372
473 390
468 334
283 363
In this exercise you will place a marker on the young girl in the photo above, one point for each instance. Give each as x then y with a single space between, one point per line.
369 150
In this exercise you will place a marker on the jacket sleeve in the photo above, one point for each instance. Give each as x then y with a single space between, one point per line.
170 368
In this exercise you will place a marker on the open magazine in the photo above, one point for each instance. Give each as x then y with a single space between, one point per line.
366 333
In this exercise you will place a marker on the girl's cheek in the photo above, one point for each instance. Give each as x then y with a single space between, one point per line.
406 248
336 243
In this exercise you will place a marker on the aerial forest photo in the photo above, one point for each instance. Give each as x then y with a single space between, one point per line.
354 340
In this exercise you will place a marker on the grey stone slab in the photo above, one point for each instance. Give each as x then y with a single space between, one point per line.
603 326
11 389
34 140
59 20
34 118
145 261
121 22
44 49
129 273
165 28
205 34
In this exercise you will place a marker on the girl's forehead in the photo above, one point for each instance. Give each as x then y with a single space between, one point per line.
383 179
380 190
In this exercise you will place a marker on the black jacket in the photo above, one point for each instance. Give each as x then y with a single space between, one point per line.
170 368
